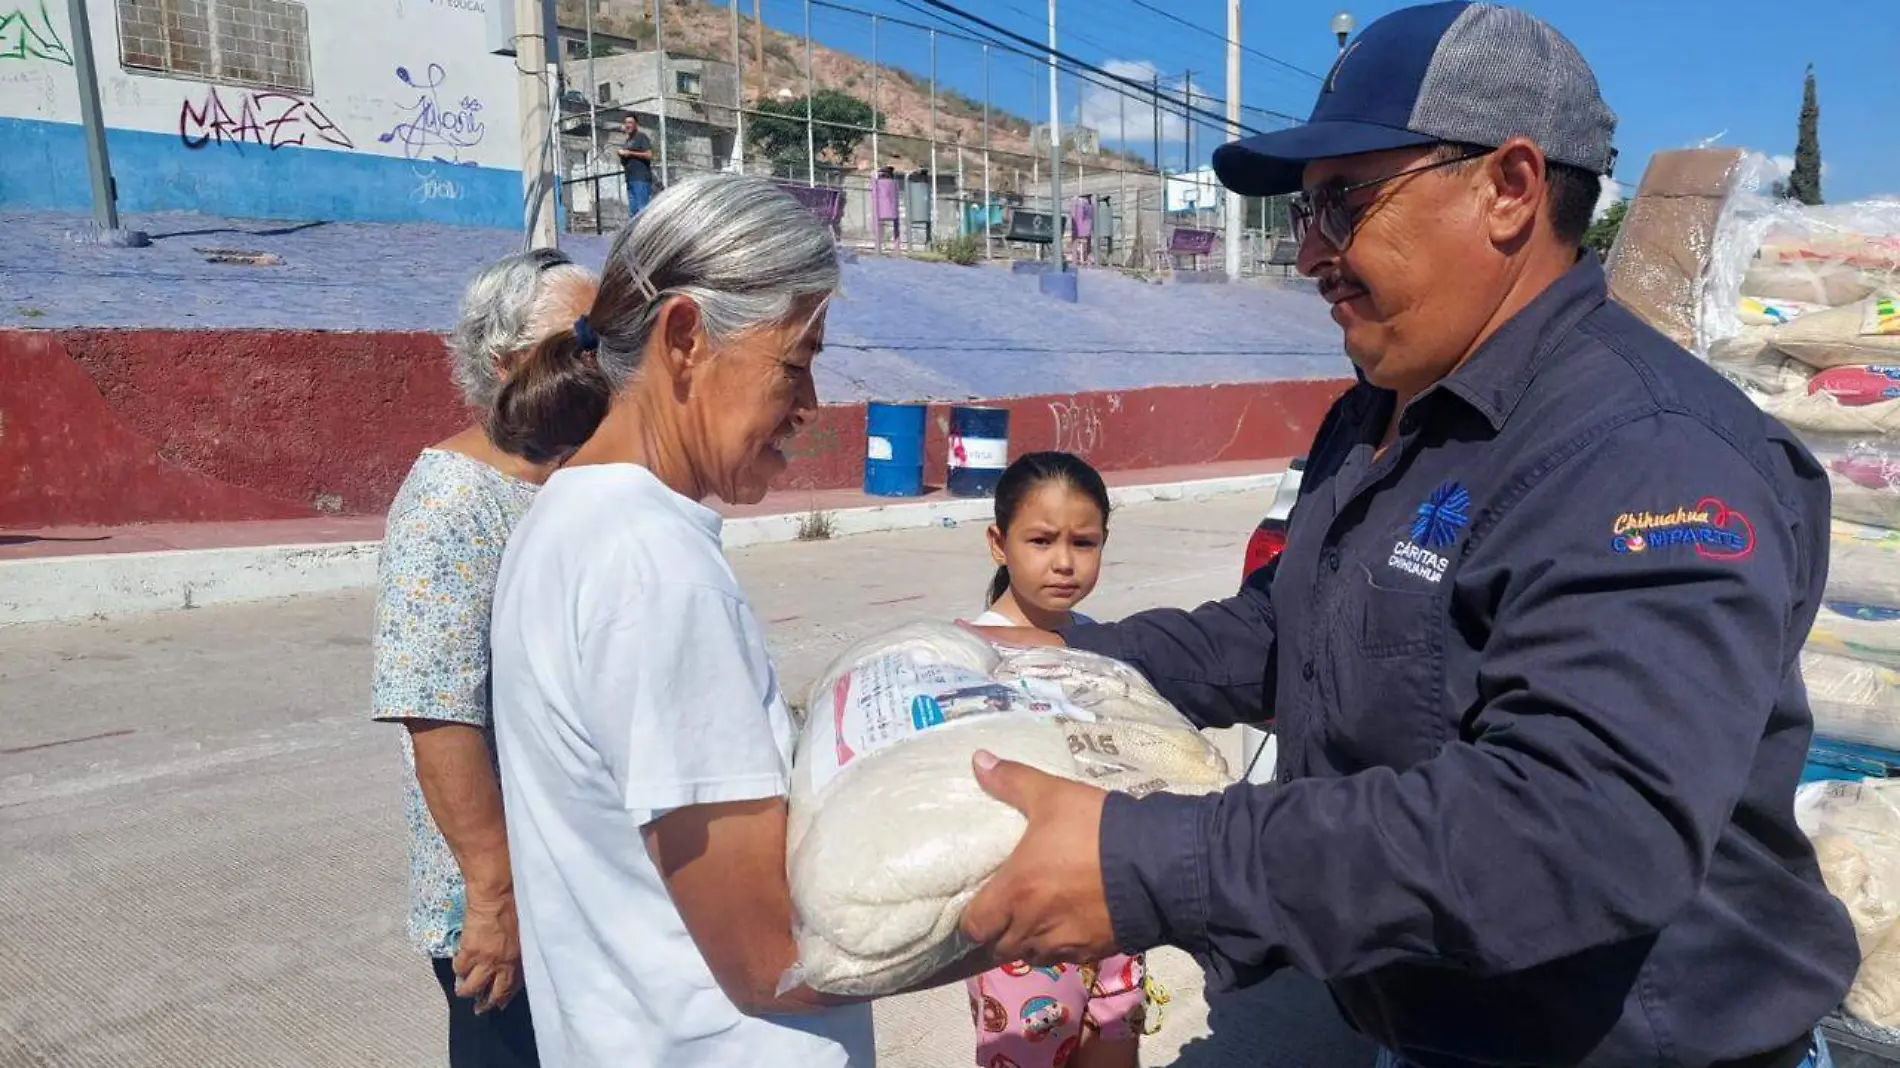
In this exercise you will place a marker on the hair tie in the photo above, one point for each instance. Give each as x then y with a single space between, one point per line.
584 333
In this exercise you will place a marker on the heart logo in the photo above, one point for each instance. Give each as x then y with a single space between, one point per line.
1724 518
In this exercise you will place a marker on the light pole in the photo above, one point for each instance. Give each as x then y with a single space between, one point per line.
1343 25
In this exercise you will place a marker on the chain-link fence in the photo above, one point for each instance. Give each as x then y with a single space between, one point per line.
928 139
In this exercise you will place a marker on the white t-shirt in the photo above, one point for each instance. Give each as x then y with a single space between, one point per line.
630 679
993 618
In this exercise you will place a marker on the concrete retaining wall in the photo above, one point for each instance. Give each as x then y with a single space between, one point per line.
113 427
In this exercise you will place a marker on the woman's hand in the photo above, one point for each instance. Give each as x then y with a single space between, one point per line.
488 964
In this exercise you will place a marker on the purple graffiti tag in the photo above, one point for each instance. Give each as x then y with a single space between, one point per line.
430 130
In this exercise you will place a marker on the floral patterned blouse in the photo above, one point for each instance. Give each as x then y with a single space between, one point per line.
435 585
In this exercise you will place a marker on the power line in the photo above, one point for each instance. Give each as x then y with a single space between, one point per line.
1131 89
1218 36
1188 109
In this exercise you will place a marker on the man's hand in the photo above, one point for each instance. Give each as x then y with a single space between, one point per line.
488 965
1026 636
1045 904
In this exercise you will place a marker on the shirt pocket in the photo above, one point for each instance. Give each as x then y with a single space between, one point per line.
1385 651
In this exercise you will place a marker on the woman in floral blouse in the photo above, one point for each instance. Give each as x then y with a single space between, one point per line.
441 552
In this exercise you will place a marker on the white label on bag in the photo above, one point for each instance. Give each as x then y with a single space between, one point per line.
878 448
984 454
895 697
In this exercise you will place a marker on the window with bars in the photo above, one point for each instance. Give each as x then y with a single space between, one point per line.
263 44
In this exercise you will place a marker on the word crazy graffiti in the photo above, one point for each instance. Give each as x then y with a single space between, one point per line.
22 39
271 120
429 130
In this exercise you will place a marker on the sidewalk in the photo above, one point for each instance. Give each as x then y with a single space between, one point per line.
71 573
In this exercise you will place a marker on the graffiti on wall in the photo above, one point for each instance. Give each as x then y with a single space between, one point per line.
1078 427
271 120
429 130
431 187
26 35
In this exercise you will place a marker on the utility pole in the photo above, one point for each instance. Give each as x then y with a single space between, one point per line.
1055 145
537 124
1234 207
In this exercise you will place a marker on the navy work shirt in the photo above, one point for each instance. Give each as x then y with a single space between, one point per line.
1534 675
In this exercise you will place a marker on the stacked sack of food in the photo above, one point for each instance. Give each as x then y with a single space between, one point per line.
1801 308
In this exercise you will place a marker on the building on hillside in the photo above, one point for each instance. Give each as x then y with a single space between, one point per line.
357 110
701 97
702 124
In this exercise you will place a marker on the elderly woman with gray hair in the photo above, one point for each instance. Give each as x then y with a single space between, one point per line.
436 581
645 744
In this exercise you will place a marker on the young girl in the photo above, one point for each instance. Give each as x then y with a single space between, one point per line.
1051 523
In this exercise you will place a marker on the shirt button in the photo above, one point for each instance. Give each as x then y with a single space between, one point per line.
1306 671
1332 559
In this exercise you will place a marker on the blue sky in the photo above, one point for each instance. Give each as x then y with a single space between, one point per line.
1677 72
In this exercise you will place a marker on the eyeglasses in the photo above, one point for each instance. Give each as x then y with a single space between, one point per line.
1327 204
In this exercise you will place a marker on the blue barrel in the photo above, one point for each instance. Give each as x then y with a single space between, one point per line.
979 450
894 450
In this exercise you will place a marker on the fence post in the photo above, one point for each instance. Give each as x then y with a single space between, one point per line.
930 231
738 93
811 150
987 195
659 71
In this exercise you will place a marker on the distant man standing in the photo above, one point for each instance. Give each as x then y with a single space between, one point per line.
636 155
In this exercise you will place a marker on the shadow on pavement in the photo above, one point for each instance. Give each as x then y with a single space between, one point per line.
1289 1021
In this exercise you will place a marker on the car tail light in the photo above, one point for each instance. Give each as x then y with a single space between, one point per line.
1267 541
1269 538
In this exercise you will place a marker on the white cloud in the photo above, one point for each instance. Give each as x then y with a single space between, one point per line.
1130 119
1784 166
1610 191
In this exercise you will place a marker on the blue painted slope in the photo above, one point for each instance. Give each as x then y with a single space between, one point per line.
902 329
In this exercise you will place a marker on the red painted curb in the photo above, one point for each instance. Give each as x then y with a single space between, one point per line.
107 427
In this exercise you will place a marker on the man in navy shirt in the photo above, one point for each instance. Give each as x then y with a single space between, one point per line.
1531 649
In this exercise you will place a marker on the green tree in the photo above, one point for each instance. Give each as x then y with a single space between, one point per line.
839 123
1602 233
1804 184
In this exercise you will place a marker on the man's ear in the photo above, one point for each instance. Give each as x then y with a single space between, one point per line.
1518 175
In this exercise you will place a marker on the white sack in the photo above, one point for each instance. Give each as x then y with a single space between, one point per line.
1864 564
1852 700
890 835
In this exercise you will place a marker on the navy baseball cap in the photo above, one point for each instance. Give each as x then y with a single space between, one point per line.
1460 72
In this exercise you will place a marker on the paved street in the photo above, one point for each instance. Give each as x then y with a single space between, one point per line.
204 853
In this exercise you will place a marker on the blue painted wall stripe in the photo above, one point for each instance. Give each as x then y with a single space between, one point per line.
43 165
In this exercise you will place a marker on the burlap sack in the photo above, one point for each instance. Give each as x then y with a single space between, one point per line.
1656 268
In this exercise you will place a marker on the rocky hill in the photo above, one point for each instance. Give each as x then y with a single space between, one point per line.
704 29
